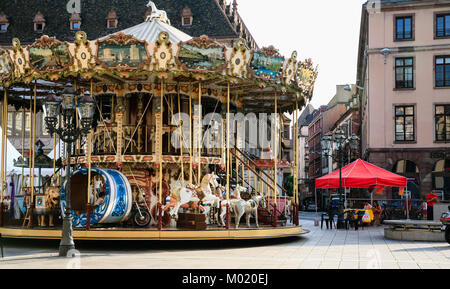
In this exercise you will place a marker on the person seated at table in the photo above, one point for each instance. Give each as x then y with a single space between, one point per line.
367 206
377 210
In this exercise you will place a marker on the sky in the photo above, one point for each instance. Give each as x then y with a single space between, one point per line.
325 30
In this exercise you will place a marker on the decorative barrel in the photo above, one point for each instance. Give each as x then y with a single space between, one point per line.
117 203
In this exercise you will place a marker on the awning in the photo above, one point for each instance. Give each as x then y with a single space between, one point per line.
361 174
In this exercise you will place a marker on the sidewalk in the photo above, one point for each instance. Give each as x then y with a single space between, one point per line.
324 249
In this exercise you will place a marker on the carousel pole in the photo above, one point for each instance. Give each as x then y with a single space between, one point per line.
190 140
33 136
23 146
296 164
243 174
4 129
199 136
89 191
275 154
54 154
181 137
160 158
88 205
228 158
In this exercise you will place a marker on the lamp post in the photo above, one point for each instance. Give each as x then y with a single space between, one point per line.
339 142
307 152
70 104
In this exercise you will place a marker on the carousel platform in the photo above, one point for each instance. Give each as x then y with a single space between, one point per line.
152 234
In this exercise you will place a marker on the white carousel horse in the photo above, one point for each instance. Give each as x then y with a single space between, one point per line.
209 183
250 207
208 204
185 196
222 208
157 14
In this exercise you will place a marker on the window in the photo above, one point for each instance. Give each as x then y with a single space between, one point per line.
9 129
18 123
112 20
404 28
186 17
442 25
44 130
3 22
442 70
27 123
15 124
404 123
39 27
187 21
75 21
112 24
442 118
39 22
404 72
76 25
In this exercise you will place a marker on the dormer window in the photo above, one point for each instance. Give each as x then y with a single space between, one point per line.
186 17
4 23
75 21
112 20
39 22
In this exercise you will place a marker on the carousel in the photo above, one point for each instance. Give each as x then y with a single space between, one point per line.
151 136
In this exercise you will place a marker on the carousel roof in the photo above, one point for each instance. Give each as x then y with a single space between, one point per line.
151 29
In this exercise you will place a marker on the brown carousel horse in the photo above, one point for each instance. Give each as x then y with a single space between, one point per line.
153 199
52 196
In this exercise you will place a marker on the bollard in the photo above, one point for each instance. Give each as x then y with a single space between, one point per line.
1 244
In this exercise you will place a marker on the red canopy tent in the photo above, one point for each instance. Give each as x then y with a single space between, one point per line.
361 174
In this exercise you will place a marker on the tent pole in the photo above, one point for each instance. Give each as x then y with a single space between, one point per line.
316 220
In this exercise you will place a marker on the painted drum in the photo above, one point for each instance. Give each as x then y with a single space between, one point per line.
117 203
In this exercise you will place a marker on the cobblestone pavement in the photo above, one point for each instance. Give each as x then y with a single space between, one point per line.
330 249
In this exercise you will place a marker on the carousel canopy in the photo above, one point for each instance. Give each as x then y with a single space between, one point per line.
150 30
361 174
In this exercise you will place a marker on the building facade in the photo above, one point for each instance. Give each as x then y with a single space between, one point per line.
404 72
306 117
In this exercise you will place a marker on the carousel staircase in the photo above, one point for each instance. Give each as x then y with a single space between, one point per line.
265 215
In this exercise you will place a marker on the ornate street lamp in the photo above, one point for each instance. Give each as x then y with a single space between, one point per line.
70 103
339 140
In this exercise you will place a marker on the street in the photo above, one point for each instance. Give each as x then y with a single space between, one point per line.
321 248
